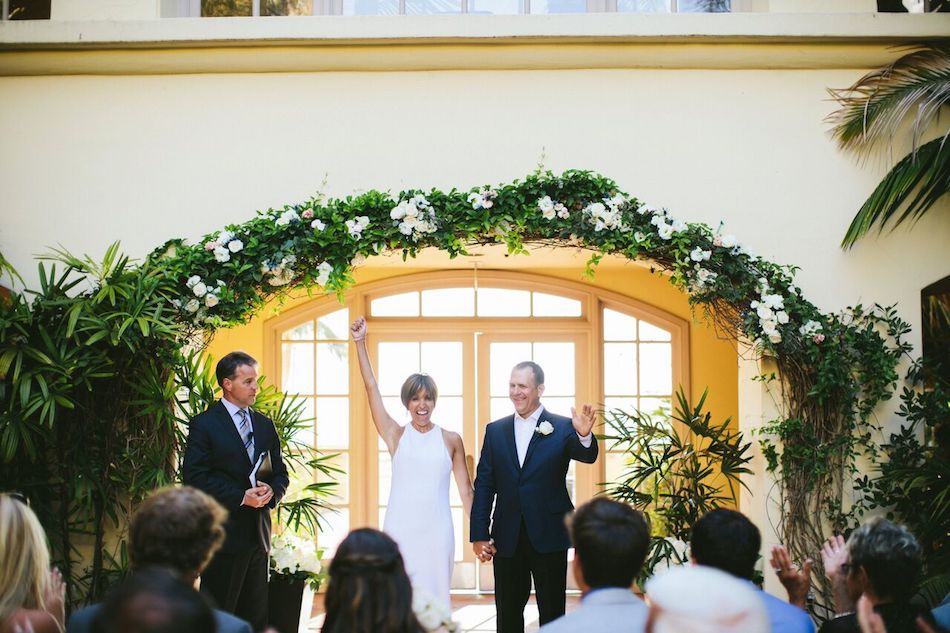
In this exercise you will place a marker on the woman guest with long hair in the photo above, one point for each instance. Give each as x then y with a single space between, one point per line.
369 590
418 514
31 595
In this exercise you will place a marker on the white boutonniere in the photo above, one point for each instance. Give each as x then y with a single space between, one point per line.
545 428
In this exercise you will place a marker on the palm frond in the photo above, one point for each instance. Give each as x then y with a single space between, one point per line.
874 107
907 191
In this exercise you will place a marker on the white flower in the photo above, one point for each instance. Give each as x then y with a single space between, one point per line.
545 204
665 231
356 226
317 224
728 241
562 211
399 211
679 226
617 201
287 217
545 428
644 209
698 254
764 312
211 300
638 236
192 306
810 328
432 614
781 316
483 199
324 273
776 302
405 228
224 237
704 277
200 289
221 254
235 246
192 281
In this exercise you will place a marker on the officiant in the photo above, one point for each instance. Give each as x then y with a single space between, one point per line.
233 454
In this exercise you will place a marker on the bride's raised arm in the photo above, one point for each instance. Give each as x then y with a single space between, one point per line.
387 428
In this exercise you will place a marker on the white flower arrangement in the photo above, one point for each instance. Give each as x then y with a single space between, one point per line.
414 217
210 295
483 199
699 255
224 245
297 558
432 614
814 330
551 208
323 273
770 309
287 217
607 214
665 225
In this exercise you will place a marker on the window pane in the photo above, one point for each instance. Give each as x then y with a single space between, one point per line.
305 434
396 410
432 7
655 407
553 305
504 356
224 8
558 6
619 326
703 6
616 464
656 369
560 406
443 361
620 369
333 376
643 6
448 414
336 526
557 361
286 7
303 332
297 367
448 302
495 7
334 326
396 362
628 408
406 304
650 332
371 7
503 302
500 407
333 423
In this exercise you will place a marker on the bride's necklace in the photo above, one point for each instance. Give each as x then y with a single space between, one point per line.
421 429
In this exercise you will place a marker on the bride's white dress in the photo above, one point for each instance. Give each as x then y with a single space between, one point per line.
418 516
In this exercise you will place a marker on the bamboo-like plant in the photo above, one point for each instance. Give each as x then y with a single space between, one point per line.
678 468
916 87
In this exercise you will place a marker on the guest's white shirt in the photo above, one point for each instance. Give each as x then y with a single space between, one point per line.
525 428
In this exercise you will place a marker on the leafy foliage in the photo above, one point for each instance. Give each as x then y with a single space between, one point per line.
678 468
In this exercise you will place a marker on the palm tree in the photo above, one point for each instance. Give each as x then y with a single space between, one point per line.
872 112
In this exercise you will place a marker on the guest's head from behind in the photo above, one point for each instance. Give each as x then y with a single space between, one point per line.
727 540
884 561
369 590
24 558
237 374
154 600
525 387
180 528
610 540
703 600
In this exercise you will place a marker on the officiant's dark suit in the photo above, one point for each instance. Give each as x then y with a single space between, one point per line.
218 461
522 470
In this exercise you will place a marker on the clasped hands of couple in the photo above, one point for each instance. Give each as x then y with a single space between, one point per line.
258 496
583 421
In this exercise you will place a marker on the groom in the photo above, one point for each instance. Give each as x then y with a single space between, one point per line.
522 470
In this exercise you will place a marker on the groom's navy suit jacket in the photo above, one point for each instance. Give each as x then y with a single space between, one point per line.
535 493
216 462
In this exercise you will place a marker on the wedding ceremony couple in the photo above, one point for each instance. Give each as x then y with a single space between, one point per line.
517 505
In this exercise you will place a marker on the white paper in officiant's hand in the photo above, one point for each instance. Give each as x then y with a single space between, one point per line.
257 466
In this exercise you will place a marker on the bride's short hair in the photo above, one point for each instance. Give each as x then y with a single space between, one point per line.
416 383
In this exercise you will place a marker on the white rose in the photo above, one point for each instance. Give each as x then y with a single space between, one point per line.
775 302
192 281
679 226
211 300
235 246
192 306
782 317
548 214
665 231
638 236
200 289
764 312
775 337
545 428
562 213
317 224
221 254
411 211
398 212
728 241
429 619
617 200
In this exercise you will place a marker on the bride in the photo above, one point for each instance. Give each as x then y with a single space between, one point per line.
418 516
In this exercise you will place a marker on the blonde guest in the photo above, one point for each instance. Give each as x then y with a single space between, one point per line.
31 596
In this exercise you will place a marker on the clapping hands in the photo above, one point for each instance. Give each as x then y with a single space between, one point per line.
797 582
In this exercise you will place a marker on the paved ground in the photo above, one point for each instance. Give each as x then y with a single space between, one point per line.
474 614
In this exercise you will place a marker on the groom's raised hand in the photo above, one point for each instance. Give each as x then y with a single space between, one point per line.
583 420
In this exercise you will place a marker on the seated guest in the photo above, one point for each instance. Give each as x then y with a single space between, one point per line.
31 596
177 528
882 562
369 591
154 600
728 541
701 599
610 544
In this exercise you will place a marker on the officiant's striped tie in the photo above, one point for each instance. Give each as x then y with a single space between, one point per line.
247 434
